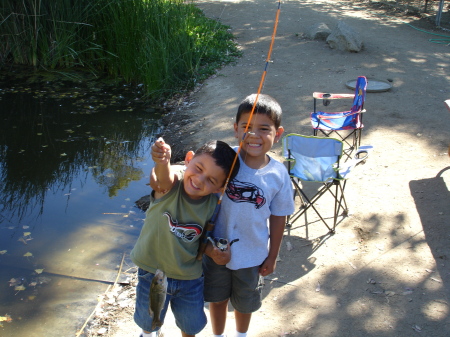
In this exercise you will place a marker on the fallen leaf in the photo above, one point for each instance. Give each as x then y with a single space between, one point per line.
102 331
21 239
3 252
27 254
417 328
19 288
26 233
318 287
39 271
5 318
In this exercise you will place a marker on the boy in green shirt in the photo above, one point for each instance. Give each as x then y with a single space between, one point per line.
174 222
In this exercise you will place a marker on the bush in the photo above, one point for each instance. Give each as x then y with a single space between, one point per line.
167 45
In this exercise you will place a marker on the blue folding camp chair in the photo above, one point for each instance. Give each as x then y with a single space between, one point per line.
345 125
318 159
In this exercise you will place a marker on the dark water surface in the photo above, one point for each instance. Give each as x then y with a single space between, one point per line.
74 159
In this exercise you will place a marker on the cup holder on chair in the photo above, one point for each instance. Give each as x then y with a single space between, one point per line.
326 101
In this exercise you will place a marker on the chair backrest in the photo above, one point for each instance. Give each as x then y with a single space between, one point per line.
315 158
360 94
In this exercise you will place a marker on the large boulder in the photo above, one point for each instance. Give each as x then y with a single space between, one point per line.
343 37
318 31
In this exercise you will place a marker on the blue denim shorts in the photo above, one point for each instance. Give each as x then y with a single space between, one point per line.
185 298
242 286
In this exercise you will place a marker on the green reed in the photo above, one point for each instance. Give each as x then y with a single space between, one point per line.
167 45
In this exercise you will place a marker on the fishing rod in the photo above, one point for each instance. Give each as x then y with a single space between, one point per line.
207 232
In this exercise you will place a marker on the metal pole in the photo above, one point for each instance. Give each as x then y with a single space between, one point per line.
439 13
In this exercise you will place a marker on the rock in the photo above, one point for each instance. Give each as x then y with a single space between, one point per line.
143 203
102 331
319 31
343 37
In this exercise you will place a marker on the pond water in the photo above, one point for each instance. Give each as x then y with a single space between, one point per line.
74 159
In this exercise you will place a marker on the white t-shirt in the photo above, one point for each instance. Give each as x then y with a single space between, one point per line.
248 202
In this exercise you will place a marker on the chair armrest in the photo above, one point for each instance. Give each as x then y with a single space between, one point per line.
319 95
338 114
359 157
362 153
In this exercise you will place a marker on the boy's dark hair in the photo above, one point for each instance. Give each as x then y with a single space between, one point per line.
222 154
266 105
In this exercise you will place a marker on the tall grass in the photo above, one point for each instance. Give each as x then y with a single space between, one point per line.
166 45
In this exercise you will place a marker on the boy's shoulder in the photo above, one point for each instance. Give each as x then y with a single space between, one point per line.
275 166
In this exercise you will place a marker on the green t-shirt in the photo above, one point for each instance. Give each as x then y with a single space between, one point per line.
170 236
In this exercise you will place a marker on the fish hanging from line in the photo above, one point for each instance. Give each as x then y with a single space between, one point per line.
158 292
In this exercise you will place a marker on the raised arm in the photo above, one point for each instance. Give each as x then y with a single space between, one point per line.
162 173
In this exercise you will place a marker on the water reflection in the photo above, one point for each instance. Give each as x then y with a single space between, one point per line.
73 159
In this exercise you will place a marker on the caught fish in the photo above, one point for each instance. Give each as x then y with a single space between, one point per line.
158 292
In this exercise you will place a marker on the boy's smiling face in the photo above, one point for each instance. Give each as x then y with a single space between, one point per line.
261 136
202 176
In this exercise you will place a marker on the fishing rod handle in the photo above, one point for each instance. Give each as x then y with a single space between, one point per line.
207 232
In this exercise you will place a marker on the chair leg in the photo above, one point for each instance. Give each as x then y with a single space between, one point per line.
311 202
339 203
302 208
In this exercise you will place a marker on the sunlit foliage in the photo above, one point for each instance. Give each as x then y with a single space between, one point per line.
167 45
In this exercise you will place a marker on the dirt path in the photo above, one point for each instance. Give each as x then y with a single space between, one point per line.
386 270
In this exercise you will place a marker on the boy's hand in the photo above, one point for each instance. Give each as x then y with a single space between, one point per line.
161 152
268 266
162 178
218 256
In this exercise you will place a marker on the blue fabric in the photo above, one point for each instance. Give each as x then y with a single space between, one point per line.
185 298
315 157
335 121
345 120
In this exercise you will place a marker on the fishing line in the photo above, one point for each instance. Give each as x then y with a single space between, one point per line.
210 225
261 84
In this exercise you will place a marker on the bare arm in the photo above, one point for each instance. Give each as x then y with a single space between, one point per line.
276 225
162 176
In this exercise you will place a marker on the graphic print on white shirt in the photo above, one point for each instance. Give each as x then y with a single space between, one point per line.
238 191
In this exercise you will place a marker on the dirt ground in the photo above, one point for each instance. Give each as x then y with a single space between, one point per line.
386 271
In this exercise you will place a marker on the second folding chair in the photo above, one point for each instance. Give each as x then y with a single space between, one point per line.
344 125
318 159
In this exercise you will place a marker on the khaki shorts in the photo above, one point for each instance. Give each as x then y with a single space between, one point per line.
243 286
